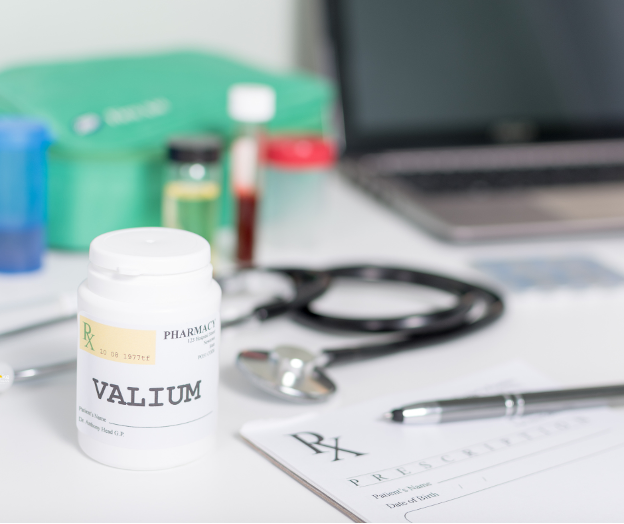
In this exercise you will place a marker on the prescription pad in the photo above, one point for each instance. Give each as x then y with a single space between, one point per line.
566 466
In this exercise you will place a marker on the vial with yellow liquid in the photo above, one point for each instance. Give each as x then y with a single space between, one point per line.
193 186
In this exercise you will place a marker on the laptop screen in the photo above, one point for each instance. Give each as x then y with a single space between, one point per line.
426 73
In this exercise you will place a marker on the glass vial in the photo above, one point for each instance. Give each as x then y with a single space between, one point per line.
252 106
192 191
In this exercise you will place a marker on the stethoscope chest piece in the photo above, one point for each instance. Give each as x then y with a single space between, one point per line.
289 372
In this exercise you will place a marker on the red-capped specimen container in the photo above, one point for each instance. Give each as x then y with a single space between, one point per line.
294 190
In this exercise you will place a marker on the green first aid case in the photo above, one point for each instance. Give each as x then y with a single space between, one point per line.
111 119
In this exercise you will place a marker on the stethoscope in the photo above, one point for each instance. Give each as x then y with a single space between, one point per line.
297 374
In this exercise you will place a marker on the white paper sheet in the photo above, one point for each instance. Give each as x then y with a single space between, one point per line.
567 466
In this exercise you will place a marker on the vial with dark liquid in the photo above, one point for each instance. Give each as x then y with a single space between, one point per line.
251 105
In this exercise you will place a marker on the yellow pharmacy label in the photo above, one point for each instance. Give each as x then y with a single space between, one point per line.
128 346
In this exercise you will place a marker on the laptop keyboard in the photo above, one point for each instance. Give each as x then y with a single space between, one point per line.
510 179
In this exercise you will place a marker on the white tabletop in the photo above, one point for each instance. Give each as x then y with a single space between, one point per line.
575 337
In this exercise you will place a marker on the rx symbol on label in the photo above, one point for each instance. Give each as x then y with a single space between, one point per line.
88 336
318 440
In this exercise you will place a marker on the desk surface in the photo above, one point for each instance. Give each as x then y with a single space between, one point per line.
575 337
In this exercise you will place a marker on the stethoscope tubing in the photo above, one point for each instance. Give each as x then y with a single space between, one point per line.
406 332
403 341
414 323
410 331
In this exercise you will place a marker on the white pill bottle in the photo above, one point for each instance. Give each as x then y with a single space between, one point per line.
148 316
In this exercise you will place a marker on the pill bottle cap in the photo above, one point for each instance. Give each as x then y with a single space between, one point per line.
23 195
150 251
252 103
23 133
192 149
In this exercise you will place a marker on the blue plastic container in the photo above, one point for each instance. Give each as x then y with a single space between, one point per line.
23 173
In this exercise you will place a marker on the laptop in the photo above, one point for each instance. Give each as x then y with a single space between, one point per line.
485 119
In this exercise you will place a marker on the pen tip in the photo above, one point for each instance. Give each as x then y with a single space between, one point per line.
395 416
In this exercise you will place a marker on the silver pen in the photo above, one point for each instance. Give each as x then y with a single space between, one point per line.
505 405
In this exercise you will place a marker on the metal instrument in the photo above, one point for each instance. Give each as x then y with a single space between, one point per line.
296 374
